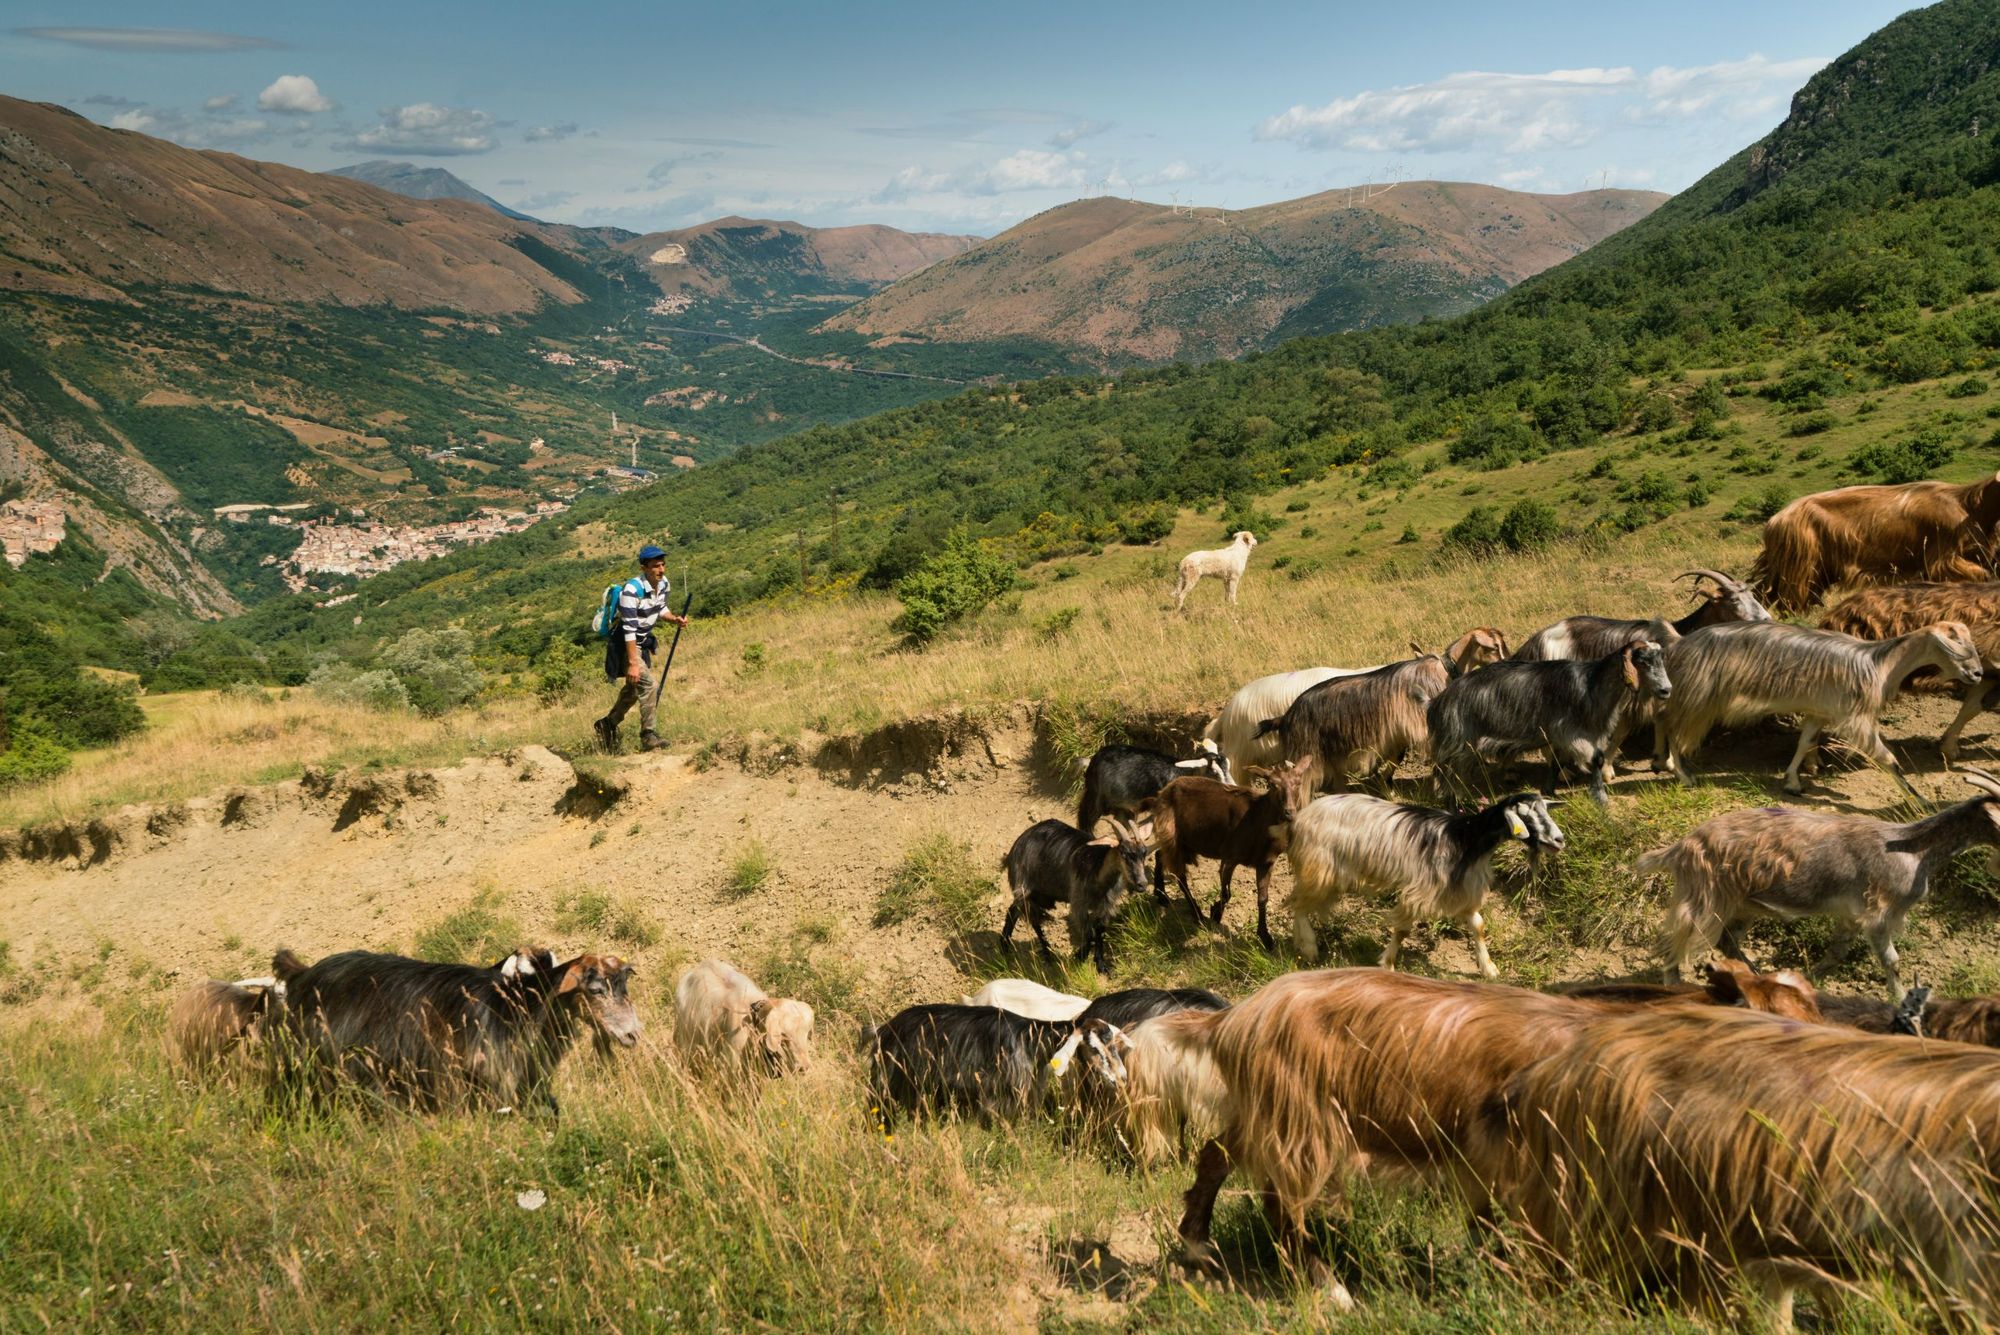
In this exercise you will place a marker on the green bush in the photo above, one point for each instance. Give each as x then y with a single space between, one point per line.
556 672
380 689
1057 623
950 586
74 708
1530 526
1969 388
1478 531
1910 460
1494 442
1147 524
34 755
435 668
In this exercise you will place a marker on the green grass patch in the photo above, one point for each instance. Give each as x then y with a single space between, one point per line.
750 871
601 914
479 933
938 878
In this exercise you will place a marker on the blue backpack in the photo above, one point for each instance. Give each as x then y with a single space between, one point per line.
605 623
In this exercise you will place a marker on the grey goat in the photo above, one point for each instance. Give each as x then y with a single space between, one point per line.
1581 638
1835 683
1780 862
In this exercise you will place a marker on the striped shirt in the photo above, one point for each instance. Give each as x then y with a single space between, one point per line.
639 609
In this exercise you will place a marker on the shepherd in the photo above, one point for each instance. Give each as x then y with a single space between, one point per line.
628 650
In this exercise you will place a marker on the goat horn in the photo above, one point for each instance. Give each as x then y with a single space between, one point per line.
1980 779
1715 575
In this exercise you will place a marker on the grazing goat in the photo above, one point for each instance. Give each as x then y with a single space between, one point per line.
1877 535
1581 638
1319 1075
1024 996
726 1025
1359 725
1835 683
1574 711
1729 983
440 1034
1237 729
1980 695
213 1021
1778 862
1898 609
1440 865
1228 562
1670 1147
1052 864
1974 1020
1200 818
1119 778
978 1060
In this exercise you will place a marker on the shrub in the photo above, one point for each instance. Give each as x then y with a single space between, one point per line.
1911 460
1053 626
1494 442
1147 524
555 674
1812 424
34 755
435 668
1655 414
74 708
380 690
1530 526
1969 388
1761 506
1478 531
950 586
754 658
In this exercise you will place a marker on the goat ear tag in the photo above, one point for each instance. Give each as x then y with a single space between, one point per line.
1060 1061
1516 827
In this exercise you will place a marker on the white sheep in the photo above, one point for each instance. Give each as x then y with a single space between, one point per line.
725 1024
1228 562
1024 996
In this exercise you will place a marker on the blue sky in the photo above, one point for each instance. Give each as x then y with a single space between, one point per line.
941 116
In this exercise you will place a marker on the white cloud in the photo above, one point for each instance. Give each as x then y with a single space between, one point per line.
158 40
544 134
1081 130
1525 113
429 130
1023 169
220 102
136 119
294 95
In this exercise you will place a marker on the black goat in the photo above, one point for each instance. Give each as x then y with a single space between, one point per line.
1118 778
1581 639
1574 711
1053 864
434 1035
978 1061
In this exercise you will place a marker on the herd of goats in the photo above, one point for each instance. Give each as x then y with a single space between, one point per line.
1687 1140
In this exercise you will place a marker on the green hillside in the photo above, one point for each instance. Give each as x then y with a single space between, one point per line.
1768 316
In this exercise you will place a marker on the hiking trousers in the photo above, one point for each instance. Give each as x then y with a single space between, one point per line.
642 692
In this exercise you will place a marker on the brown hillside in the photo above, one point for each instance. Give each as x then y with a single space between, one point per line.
90 211
744 257
1131 280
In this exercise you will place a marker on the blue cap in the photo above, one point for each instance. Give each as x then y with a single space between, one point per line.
651 553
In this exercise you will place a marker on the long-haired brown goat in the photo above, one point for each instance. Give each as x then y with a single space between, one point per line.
1320 1075
213 1022
1661 1147
1877 534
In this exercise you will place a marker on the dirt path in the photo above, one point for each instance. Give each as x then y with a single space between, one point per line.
332 862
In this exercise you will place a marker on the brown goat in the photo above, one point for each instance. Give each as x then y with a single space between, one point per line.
1356 726
1974 1020
1657 1146
213 1022
1897 609
1197 818
1730 983
1876 535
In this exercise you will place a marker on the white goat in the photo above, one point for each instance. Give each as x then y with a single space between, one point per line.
1228 562
724 1024
1778 862
1744 671
1024 996
1439 864
1234 730
1174 1095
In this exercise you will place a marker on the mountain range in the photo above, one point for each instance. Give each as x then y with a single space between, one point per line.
1129 281
407 178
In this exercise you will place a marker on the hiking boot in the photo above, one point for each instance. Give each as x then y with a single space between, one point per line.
607 735
652 741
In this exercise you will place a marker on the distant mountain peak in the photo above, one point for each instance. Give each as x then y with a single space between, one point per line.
407 178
